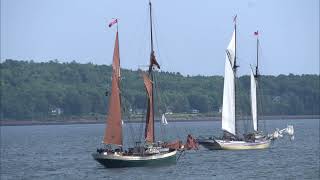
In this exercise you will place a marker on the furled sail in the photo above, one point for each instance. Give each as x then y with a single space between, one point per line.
254 101
153 62
228 104
113 132
149 129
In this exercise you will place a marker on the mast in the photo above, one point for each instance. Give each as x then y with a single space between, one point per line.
256 76
151 36
254 83
152 54
235 66
257 72
149 129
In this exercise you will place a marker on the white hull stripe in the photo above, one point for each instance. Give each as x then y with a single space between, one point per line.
139 158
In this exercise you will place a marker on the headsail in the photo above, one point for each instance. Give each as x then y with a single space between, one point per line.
254 101
228 106
113 132
149 129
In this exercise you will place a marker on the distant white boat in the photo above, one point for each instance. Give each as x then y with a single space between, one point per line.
164 120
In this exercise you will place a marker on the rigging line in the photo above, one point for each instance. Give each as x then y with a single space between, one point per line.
182 153
142 48
262 99
240 108
131 129
160 102
156 105
154 23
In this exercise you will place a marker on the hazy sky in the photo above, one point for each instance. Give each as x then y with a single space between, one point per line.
191 36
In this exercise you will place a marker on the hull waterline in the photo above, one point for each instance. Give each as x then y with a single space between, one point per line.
120 161
234 145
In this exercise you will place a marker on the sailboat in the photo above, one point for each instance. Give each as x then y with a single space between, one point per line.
149 153
231 139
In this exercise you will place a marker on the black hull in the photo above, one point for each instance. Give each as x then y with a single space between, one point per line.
111 162
210 144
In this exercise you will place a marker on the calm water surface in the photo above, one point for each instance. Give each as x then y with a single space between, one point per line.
64 152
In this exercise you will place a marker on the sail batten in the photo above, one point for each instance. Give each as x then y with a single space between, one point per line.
113 132
228 104
254 101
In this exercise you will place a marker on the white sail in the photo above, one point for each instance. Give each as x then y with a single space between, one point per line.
232 48
254 101
228 104
164 120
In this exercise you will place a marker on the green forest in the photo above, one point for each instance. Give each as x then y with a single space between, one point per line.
31 90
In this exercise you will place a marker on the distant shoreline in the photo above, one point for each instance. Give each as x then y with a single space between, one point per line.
170 119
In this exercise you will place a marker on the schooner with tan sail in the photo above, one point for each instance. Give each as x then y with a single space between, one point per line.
150 152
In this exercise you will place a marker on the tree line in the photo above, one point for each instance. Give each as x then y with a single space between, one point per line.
31 90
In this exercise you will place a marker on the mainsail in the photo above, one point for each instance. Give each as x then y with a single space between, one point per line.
228 106
149 129
254 101
113 132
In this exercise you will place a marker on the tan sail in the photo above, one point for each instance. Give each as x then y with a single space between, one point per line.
113 132
149 129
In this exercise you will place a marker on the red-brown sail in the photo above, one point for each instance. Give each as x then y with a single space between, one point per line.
113 132
149 130
191 143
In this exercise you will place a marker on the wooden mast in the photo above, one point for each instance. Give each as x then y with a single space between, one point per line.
151 36
148 81
152 54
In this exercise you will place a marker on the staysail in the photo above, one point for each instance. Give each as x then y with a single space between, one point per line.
254 101
228 105
149 129
113 132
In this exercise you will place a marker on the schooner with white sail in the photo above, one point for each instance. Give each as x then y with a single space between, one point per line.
231 139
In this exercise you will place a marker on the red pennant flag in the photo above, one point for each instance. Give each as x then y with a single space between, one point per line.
256 33
114 21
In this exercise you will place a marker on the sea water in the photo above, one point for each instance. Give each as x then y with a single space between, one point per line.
64 152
